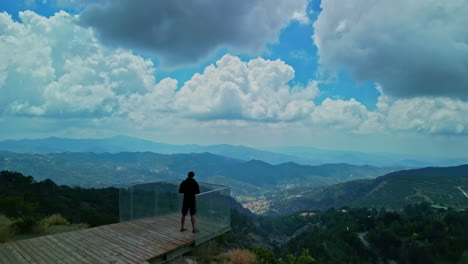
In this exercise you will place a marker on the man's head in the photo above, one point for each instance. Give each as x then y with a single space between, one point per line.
191 174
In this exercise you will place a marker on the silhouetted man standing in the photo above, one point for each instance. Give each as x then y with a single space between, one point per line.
189 187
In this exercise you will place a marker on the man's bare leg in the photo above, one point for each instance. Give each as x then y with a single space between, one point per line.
192 219
182 222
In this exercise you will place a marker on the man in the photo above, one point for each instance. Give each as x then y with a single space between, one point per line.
189 187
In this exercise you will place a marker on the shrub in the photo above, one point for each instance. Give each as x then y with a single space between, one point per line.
41 227
25 225
241 256
56 219
82 226
7 232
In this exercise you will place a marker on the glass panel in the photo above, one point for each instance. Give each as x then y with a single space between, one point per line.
125 209
213 211
161 198
204 217
168 199
143 201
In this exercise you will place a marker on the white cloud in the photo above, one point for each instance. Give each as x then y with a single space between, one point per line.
254 90
412 48
429 115
424 115
180 32
344 114
53 69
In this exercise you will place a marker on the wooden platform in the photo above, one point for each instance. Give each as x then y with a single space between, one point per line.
154 239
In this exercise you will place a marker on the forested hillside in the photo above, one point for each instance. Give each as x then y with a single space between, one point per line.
418 234
22 197
437 186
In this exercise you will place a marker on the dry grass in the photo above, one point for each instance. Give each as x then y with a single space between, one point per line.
241 256
56 219
7 232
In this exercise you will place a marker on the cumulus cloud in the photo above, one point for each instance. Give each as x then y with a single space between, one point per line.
429 115
52 67
412 48
340 113
254 90
424 115
180 32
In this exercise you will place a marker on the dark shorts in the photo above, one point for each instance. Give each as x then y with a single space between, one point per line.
189 205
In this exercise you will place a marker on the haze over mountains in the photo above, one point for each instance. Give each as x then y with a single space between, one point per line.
274 155
282 176
91 169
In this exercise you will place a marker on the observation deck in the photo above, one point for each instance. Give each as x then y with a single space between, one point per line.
148 232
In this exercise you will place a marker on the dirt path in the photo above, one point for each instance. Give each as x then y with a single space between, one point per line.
461 190
361 236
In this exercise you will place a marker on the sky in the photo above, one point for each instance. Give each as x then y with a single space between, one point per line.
363 75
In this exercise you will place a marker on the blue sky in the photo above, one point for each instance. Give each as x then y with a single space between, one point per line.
310 73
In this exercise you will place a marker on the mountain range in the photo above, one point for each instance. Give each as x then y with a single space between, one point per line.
97 169
273 155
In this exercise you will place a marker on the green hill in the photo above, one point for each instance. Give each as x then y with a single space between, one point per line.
439 186
24 197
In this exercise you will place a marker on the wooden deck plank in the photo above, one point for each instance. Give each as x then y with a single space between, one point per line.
67 248
19 258
52 252
6 256
74 253
131 242
93 248
155 236
38 250
127 242
96 242
166 225
167 230
98 247
32 252
172 234
128 251
76 247
172 237
113 246
102 250
143 241
133 233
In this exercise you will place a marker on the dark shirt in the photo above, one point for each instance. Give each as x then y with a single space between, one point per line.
189 188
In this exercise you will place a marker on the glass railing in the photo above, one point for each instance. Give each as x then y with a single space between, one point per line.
213 211
143 200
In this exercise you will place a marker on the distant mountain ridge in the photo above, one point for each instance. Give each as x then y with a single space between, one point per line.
440 186
86 168
274 155
129 144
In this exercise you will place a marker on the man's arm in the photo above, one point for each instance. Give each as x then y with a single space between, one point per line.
181 187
